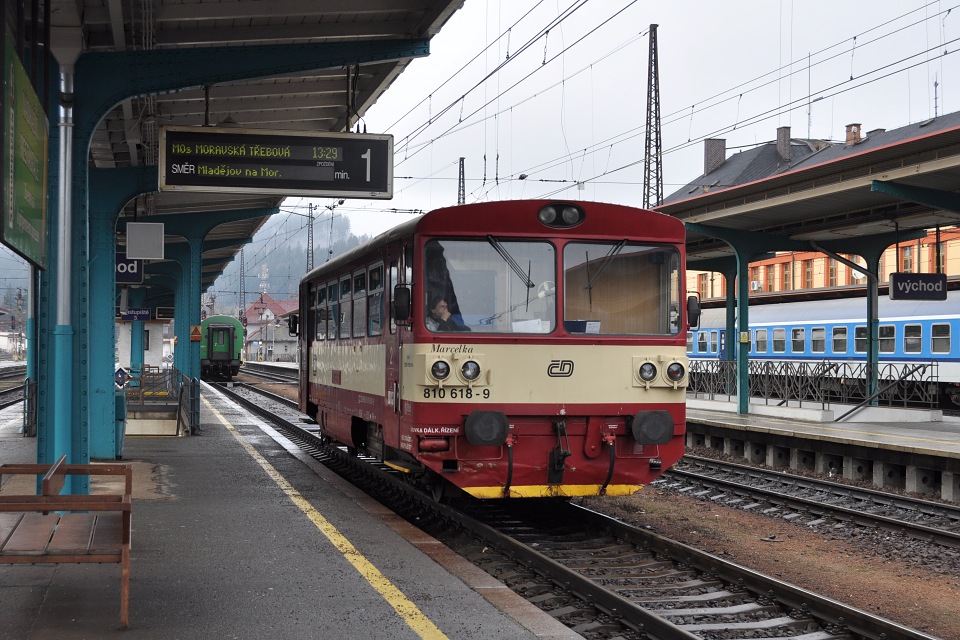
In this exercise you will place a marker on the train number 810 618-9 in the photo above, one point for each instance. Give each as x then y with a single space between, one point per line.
433 393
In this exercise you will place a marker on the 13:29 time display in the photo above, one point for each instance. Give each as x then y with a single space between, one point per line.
328 153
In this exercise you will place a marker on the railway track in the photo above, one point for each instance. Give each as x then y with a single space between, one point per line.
813 502
602 577
11 385
268 372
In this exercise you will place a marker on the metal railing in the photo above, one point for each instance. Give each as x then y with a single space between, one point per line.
188 406
819 382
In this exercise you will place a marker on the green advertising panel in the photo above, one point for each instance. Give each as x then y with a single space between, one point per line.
24 161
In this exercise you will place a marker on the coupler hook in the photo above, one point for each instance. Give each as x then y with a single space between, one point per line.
559 454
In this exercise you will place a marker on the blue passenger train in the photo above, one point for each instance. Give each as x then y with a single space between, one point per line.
910 331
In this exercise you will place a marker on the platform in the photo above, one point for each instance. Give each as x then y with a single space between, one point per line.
234 536
918 452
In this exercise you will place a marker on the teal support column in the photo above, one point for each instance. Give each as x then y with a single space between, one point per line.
871 249
746 245
111 190
188 304
742 334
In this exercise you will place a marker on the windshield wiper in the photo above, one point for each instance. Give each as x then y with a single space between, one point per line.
591 279
517 269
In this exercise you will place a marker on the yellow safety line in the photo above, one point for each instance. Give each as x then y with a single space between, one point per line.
407 610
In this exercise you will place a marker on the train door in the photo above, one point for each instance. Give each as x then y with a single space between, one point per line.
391 341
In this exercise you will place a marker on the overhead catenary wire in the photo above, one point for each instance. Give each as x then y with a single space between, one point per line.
736 92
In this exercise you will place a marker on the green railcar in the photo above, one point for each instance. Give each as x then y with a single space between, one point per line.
221 347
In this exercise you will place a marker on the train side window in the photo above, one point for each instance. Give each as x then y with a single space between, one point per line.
818 339
375 301
779 340
360 304
940 338
912 338
689 341
888 338
839 339
320 332
346 307
797 339
333 311
713 342
702 342
760 340
860 339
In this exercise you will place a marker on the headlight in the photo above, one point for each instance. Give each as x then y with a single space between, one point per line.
470 370
548 215
647 371
440 370
570 215
675 371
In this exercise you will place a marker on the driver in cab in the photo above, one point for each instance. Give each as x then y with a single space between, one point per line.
439 317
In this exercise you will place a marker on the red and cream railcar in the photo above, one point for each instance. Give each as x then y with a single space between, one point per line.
560 371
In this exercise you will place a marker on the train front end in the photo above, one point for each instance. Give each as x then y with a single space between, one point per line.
547 359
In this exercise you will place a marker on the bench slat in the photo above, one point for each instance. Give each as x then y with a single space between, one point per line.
108 537
8 522
73 534
33 534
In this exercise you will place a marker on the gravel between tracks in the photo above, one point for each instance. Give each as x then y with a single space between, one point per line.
847 569
850 568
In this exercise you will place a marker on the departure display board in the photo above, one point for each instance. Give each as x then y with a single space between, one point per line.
229 159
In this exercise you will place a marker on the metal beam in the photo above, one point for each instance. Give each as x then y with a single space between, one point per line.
936 198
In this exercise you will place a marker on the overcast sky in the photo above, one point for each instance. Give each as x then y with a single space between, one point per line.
556 90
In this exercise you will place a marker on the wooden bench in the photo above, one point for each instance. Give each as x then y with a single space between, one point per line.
54 528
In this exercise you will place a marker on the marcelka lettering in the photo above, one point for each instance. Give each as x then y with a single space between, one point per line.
460 348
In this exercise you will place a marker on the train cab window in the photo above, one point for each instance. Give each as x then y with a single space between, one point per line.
360 304
760 340
702 342
818 339
860 339
320 313
500 285
346 307
713 342
798 339
618 288
333 311
940 338
375 301
888 338
779 340
912 338
839 339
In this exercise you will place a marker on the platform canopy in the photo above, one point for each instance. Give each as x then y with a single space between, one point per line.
330 100
798 190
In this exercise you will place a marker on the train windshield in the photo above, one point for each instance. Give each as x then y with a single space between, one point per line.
490 285
621 288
